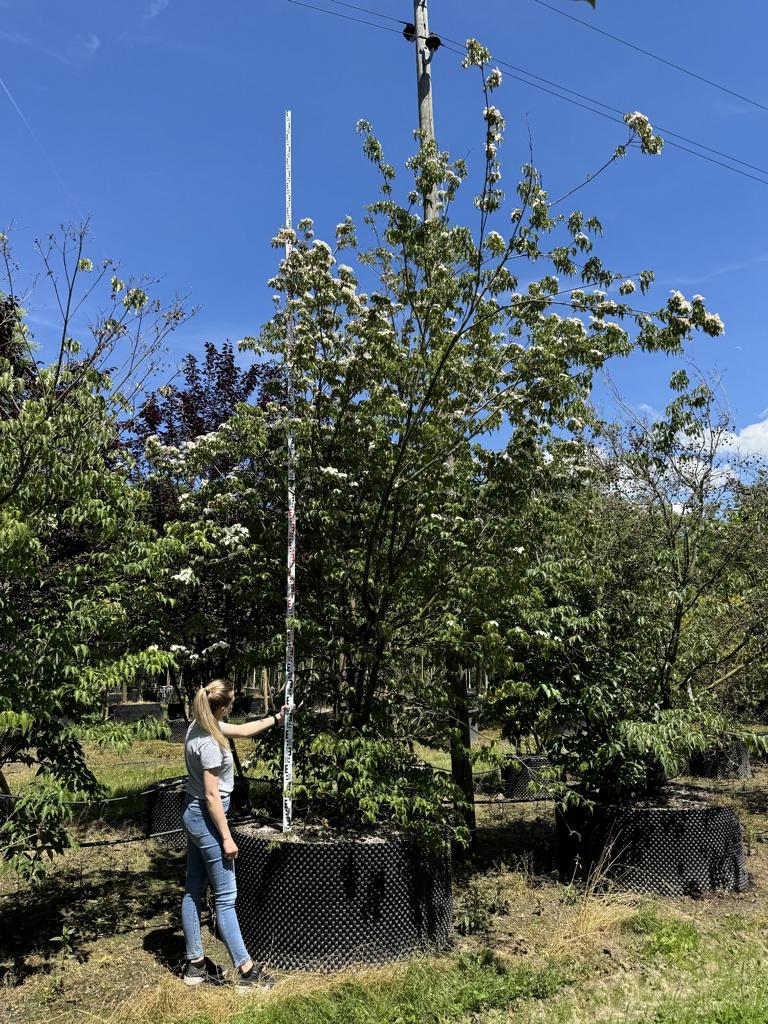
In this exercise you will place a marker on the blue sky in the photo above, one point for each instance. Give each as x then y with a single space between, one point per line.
163 121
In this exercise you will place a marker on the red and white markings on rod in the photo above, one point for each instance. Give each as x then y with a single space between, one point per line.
290 610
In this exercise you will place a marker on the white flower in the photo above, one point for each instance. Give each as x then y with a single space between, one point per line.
636 120
477 55
713 325
627 287
494 117
494 79
495 243
333 472
235 536
186 576
216 646
679 304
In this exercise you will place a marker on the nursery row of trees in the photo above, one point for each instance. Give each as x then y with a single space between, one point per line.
459 500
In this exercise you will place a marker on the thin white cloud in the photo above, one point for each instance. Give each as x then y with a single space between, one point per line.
727 268
155 9
752 440
15 37
650 411
73 52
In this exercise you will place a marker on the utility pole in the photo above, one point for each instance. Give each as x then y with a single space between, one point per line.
423 69
426 45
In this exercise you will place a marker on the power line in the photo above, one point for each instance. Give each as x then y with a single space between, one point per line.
653 56
620 120
347 17
590 105
365 10
617 110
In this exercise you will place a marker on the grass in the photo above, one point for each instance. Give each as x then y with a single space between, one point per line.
664 936
421 992
99 940
490 737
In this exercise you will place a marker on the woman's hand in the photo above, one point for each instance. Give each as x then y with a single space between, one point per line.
230 848
281 713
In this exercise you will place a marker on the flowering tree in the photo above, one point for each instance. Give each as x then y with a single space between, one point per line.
406 359
223 603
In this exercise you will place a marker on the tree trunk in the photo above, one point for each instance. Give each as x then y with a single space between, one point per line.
461 738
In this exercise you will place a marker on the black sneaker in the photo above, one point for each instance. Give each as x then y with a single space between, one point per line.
254 980
202 972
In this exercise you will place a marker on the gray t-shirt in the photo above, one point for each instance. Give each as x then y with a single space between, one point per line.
201 752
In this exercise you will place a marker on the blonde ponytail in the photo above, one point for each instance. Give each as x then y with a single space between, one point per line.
209 699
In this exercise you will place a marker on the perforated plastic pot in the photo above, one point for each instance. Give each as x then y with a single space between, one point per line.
7 804
11 742
165 805
246 705
135 712
324 901
178 728
727 761
164 808
676 850
518 774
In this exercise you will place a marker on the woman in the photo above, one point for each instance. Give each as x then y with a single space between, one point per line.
211 851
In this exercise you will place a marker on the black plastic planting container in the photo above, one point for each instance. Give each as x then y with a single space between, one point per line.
670 850
323 901
725 761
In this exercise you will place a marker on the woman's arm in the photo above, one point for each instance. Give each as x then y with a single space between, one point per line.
216 811
252 728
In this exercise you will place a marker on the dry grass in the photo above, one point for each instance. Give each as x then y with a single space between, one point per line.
122 906
169 1002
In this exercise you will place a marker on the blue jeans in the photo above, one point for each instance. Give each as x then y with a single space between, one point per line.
206 863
